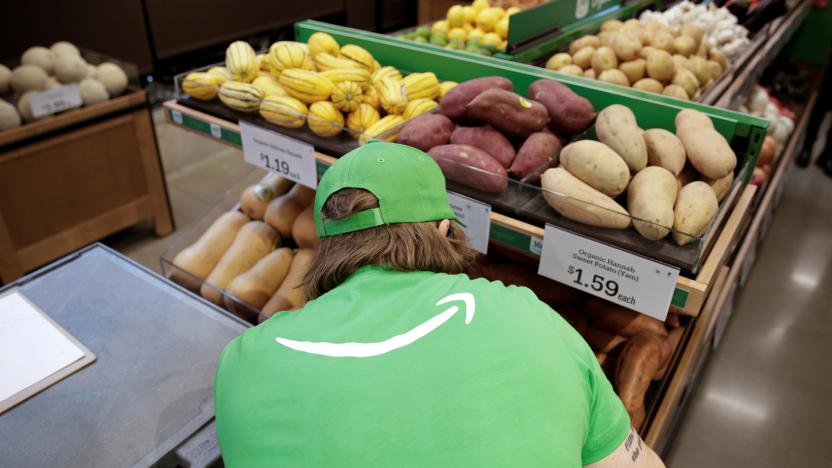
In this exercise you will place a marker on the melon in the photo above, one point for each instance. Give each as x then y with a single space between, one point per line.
9 118
65 48
40 57
112 77
90 71
92 91
52 83
28 78
24 107
69 68
5 79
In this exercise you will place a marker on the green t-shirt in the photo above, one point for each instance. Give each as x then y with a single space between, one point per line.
384 371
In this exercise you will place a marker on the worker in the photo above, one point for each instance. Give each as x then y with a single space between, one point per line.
401 360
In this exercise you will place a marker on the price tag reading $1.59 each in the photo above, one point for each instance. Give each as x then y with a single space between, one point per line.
477 218
293 159
55 100
632 281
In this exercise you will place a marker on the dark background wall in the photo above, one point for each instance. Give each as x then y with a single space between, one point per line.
162 35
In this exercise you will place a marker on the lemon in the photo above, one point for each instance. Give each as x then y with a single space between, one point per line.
480 5
468 28
441 26
457 33
487 19
502 28
476 33
500 11
492 39
456 16
503 46
512 10
470 14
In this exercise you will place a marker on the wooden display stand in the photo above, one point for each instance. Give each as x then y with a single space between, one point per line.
72 179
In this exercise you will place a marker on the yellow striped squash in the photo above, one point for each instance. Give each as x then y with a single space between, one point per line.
221 73
241 61
321 42
421 85
388 72
243 97
202 86
360 55
376 65
371 98
418 107
325 61
385 124
391 95
347 96
308 86
362 118
269 85
446 86
324 119
263 62
284 111
288 54
359 76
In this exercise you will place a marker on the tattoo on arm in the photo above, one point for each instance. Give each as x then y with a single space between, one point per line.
633 445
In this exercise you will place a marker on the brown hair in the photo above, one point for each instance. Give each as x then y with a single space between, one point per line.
402 247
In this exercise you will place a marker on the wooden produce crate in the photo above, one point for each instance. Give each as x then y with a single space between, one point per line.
74 178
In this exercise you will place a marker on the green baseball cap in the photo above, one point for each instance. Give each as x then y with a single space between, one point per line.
408 183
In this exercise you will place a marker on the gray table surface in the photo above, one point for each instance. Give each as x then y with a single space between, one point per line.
151 386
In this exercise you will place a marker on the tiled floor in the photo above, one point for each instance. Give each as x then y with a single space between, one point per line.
764 397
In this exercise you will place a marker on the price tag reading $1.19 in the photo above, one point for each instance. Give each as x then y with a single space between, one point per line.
630 280
477 218
291 158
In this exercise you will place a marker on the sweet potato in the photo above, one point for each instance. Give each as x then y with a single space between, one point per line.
602 340
664 149
539 152
619 320
508 112
470 166
671 343
617 128
568 113
487 139
707 149
598 165
576 200
650 198
639 362
696 205
454 102
426 131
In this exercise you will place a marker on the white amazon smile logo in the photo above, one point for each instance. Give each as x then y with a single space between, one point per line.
362 350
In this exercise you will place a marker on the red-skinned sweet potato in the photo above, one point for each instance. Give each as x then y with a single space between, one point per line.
568 113
471 167
426 131
454 101
508 112
487 139
539 152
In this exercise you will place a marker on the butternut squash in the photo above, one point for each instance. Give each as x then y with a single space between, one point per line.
255 199
195 262
291 294
282 211
303 229
254 241
257 285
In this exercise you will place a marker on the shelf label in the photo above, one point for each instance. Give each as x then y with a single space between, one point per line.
273 151
629 280
477 216
55 100
216 131
176 116
535 245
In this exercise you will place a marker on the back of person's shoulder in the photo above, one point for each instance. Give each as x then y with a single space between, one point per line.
497 292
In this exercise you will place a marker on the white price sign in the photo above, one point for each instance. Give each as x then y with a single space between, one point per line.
273 151
629 280
176 116
477 218
55 100
216 131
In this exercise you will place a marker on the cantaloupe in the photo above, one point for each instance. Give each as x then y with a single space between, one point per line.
5 79
24 107
65 48
70 68
9 118
40 57
28 78
92 91
112 77
195 262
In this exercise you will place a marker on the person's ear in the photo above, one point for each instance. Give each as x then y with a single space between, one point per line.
444 227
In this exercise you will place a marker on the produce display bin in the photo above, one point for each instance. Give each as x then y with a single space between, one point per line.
147 400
